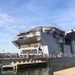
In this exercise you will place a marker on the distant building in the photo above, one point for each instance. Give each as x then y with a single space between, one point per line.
46 41
0 55
15 55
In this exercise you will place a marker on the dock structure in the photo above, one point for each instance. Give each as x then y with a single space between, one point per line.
26 64
8 67
70 71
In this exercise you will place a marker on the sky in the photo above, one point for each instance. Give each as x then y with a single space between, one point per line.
21 15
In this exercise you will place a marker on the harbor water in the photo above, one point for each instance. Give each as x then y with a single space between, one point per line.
44 70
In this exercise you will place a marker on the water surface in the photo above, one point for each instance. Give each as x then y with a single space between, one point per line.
44 70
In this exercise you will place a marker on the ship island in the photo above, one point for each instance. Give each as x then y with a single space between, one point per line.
46 42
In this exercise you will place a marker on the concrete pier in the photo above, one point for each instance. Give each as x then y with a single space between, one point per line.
8 67
70 71
20 65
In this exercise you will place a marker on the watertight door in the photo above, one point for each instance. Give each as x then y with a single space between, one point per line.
45 50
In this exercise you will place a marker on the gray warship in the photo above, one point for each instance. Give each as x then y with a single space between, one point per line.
46 42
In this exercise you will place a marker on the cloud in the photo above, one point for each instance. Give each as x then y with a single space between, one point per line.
64 17
5 19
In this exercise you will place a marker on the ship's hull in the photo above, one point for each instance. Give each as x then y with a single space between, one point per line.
63 59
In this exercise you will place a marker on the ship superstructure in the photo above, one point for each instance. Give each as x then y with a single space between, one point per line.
46 41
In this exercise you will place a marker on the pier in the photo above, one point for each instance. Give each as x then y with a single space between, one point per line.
26 64
70 71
